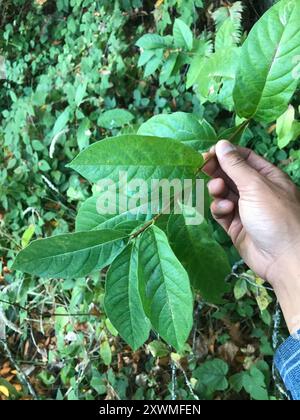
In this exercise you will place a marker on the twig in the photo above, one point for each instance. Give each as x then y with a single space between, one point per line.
4 322
21 375
248 279
174 381
188 383
144 227
16 305
13 304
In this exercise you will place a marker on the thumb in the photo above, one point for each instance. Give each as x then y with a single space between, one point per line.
233 163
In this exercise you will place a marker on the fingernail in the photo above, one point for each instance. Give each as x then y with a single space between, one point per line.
212 149
209 185
222 204
223 147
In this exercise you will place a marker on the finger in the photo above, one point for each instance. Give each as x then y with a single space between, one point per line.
265 168
211 163
223 216
234 164
222 207
257 162
218 188
235 228
260 164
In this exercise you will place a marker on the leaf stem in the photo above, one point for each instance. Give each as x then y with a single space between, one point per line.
231 138
144 227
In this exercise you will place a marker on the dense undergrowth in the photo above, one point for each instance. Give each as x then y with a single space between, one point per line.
71 74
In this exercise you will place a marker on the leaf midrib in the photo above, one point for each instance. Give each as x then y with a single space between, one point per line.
79 250
165 285
271 65
152 165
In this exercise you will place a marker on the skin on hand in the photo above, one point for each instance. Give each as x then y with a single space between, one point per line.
259 207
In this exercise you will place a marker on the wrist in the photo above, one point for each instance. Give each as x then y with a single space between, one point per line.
286 284
284 266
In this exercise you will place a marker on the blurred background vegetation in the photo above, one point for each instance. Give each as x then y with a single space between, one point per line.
71 74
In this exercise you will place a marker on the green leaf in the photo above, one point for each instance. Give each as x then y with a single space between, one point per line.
183 36
83 134
216 78
240 289
194 70
98 382
80 93
226 36
212 374
110 327
266 78
167 68
253 381
234 134
158 349
287 129
61 122
123 303
232 12
254 384
165 288
70 255
27 235
228 21
236 381
105 352
204 259
138 156
115 118
37 145
152 66
44 165
89 218
198 134
151 42
203 49
145 57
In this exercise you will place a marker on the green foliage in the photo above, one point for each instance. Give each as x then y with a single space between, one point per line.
71 255
183 36
115 118
212 376
287 129
187 128
201 255
147 280
138 156
165 288
123 303
266 74
228 22
253 383
76 83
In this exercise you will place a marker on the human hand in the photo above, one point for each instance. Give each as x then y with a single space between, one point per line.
258 206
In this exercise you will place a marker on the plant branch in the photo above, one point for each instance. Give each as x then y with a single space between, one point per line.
144 227
21 375
16 305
